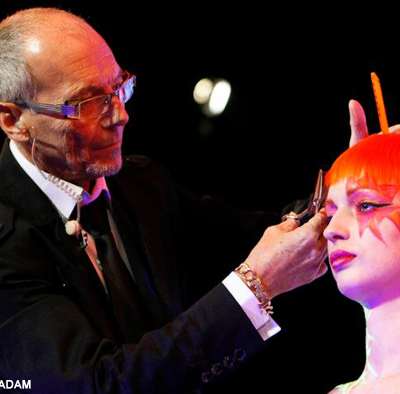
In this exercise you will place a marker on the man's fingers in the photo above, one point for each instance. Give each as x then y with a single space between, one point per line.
358 122
289 224
395 128
318 222
322 270
322 245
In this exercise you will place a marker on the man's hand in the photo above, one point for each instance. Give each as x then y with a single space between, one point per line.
358 123
288 256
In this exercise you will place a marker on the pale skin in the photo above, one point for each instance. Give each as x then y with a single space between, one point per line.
382 308
371 277
286 257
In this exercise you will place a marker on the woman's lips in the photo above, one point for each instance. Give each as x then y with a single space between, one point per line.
339 259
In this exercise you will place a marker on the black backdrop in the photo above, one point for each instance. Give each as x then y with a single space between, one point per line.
293 70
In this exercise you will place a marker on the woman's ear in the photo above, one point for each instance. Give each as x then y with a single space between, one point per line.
12 123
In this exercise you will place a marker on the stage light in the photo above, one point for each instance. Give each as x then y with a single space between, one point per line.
212 95
202 91
219 97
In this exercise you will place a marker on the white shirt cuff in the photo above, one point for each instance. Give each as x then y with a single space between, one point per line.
261 320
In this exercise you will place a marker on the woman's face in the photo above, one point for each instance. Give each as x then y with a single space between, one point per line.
364 241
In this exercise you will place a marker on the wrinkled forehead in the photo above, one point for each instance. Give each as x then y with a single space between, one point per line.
78 56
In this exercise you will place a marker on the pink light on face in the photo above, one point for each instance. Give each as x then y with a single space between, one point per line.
382 201
372 275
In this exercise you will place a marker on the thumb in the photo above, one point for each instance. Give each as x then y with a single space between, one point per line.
289 224
395 129
318 222
358 122
322 270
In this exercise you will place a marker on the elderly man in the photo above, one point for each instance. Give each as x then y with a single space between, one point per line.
100 280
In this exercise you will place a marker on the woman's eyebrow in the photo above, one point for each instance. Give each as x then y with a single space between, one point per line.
329 202
352 189
358 189
367 193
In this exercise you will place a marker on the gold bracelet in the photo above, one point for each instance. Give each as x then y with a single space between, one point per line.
255 285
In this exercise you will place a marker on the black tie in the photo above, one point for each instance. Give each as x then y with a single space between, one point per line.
125 299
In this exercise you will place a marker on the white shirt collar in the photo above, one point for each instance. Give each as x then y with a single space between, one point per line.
63 201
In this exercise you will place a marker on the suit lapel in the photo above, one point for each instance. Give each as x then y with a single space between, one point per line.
144 206
136 201
139 259
20 192
76 273
82 282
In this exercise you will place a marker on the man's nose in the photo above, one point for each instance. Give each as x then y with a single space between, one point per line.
339 226
119 115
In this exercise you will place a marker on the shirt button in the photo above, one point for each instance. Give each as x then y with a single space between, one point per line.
216 369
205 377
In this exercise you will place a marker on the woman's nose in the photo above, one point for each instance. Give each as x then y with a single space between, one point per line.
338 227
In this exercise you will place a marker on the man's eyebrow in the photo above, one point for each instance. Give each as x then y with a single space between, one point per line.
93 90
86 91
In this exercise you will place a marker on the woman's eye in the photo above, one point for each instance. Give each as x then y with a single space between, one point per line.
367 206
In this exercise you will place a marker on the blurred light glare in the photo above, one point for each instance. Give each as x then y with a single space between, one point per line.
202 91
219 97
212 95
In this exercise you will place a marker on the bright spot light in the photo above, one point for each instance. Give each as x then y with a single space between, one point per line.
219 97
202 91
212 95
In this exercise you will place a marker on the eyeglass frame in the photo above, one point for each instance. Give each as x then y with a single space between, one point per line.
72 111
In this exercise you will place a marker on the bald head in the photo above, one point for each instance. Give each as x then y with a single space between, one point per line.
35 43
33 17
49 57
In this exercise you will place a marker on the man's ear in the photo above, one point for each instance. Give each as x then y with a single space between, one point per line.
12 123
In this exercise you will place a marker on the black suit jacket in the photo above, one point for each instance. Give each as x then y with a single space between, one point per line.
56 323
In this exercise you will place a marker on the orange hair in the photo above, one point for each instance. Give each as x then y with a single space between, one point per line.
374 161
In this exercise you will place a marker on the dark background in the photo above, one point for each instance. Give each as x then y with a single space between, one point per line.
293 69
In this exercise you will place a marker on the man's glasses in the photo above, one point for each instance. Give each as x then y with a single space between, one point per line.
91 108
